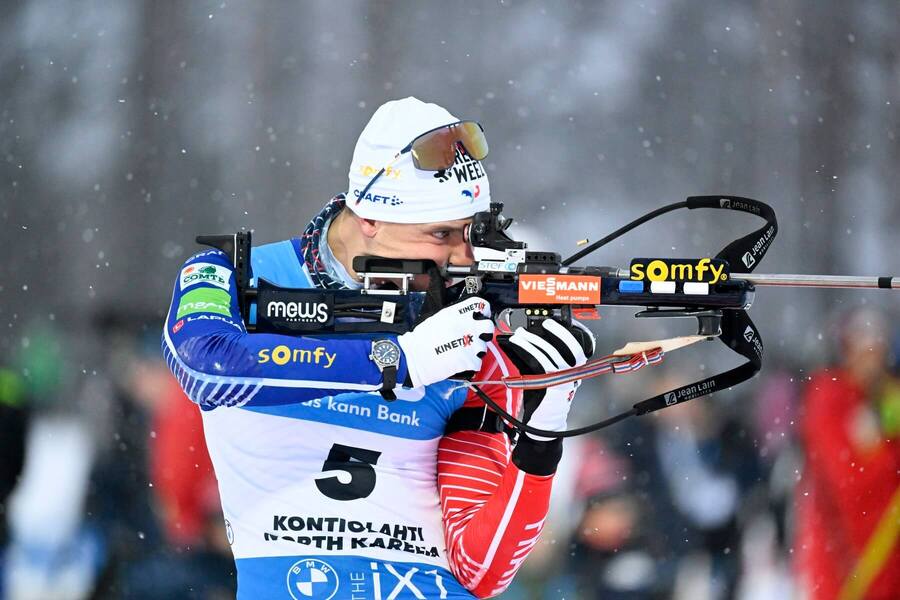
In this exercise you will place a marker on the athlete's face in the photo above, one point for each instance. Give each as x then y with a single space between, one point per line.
443 242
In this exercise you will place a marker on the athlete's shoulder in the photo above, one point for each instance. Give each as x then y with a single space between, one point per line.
206 255
277 262
211 267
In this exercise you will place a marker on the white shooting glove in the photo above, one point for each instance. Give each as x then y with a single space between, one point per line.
450 342
548 348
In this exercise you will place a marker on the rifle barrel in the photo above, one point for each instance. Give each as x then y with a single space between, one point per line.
820 281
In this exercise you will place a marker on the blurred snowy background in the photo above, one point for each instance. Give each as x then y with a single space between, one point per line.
129 127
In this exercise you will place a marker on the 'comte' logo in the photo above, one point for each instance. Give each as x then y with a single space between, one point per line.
312 578
204 272
465 340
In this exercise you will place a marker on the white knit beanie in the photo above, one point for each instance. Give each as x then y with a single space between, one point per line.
404 194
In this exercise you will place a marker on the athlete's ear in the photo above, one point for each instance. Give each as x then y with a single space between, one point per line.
368 227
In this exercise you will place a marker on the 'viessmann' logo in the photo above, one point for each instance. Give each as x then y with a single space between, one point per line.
679 269
559 289
465 340
551 285
306 312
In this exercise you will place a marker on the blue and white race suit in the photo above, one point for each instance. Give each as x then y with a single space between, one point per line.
327 490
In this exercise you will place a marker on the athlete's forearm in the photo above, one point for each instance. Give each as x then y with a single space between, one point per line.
494 500
219 364
493 510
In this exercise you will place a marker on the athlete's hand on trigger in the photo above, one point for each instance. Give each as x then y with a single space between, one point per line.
548 348
450 342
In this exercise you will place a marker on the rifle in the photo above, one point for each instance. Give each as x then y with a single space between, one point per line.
511 277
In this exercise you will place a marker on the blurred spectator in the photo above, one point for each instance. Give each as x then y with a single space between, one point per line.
13 427
706 464
615 550
205 572
120 501
193 560
13 419
849 499
153 487
182 474
765 530
686 474
53 552
774 407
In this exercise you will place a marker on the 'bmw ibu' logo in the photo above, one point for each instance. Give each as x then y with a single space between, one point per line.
312 578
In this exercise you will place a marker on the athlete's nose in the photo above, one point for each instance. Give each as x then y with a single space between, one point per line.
461 254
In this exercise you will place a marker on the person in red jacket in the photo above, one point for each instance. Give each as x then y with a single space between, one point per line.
848 501
182 473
